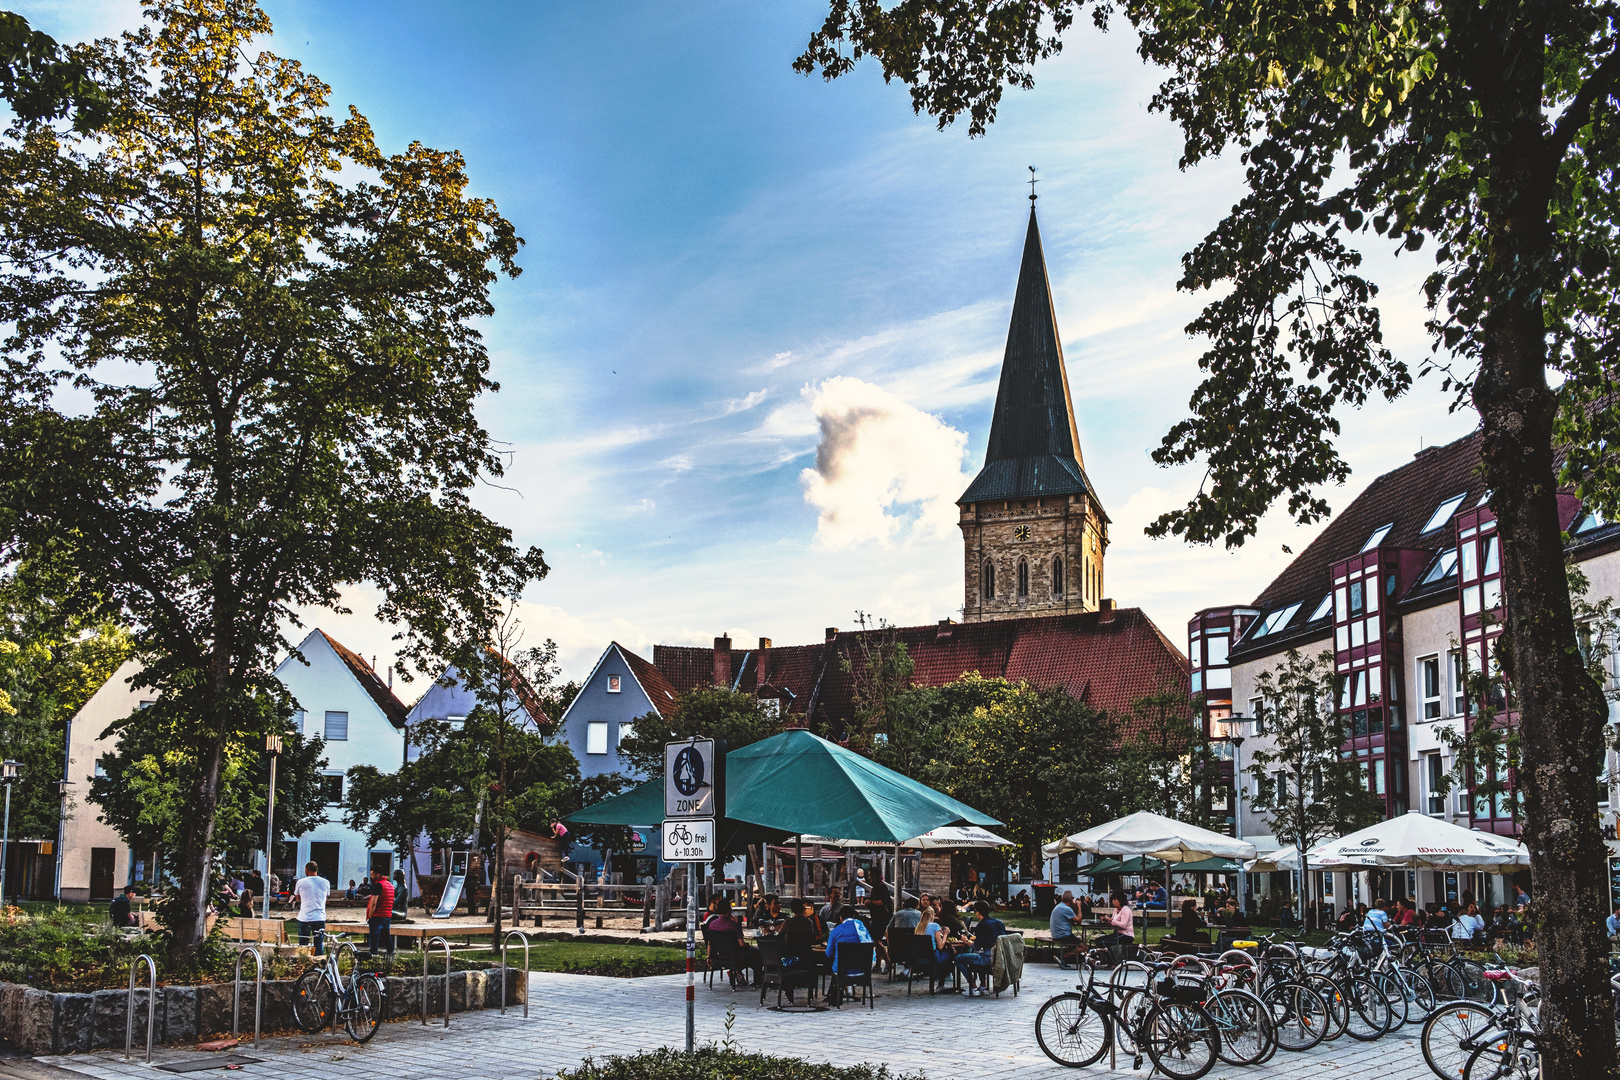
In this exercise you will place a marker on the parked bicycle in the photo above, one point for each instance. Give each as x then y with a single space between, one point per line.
1163 1020
323 996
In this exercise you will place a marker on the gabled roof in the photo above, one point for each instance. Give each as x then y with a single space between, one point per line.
653 683
363 673
1034 447
1108 660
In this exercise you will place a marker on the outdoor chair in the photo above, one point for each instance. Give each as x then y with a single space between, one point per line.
857 962
724 954
921 963
899 951
790 978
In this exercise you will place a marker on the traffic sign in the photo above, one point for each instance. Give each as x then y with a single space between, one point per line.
689 840
694 779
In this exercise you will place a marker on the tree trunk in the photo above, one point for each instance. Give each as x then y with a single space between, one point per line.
188 925
1561 710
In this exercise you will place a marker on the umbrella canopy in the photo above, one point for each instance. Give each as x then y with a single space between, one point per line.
1416 839
1139 865
1154 835
1211 866
945 838
799 783
1288 859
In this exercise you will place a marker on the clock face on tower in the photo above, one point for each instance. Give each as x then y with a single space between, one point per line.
1021 533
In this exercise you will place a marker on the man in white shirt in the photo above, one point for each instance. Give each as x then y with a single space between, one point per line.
311 892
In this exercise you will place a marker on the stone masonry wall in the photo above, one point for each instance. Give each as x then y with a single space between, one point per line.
37 1022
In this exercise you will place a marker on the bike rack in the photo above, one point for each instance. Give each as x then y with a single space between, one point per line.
258 991
432 941
505 941
151 1006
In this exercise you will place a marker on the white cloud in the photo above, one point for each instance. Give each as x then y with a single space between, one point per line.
742 404
878 458
645 506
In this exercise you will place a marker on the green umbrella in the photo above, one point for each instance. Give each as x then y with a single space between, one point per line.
1211 866
1141 864
798 783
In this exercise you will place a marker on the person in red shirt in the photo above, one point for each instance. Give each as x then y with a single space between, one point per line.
380 912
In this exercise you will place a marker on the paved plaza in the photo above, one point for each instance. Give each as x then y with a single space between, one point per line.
947 1037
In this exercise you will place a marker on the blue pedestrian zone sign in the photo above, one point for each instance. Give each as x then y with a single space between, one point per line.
691 779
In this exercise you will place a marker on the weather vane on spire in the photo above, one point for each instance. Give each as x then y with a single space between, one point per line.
1032 195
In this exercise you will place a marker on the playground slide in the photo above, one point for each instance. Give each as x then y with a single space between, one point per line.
451 897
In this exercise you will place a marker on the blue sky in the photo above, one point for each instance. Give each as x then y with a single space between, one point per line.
752 357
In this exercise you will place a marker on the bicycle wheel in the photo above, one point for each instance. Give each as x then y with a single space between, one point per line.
312 1001
1450 1034
365 1014
1337 1002
1420 1001
1475 985
1503 1059
1369 1011
1298 1015
1394 995
1071 1032
1447 981
1247 1033
1181 1039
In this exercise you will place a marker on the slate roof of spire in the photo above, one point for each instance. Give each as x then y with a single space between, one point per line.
1034 449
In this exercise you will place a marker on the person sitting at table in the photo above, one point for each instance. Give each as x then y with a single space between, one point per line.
848 931
1123 919
721 924
1061 925
829 910
1190 926
938 935
975 964
806 923
908 916
804 938
768 917
950 917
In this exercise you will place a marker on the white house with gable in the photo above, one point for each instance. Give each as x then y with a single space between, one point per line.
340 697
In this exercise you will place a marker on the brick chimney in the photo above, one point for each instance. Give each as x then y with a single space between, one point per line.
722 660
943 633
762 674
1105 611
832 632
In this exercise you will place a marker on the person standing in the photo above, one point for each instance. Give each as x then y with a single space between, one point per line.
380 912
311 892
402 894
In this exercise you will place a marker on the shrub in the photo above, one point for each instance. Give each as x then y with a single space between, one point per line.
714 1063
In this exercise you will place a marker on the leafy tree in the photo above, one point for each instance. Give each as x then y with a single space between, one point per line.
276 369
604 838
705 712
51 662
145 788
1312 791
1038 760
42 82
1488 132
880 667
1165 759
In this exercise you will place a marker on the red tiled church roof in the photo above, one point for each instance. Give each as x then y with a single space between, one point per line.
1107 660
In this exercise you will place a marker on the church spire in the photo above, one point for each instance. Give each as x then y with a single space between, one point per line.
1034 448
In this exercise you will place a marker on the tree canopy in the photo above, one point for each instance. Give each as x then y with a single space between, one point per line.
707 712
267 324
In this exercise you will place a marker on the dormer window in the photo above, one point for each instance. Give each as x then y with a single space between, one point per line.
1277 620
1589 521
1445 564
1323 610
1377 536
1442 513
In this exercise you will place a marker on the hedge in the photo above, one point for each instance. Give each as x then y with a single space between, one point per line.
715 1063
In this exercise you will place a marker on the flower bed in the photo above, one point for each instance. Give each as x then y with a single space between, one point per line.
711 1062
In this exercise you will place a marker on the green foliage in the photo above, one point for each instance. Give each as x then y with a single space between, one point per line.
710 1062
42 82
1038 760
268 323
709 712
880 668
51 661
1165 761
145 790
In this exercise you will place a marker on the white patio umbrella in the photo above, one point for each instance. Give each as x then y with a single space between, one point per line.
1415 839
1288 859
1156 836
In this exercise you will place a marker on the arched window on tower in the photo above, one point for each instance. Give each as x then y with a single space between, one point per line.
1057 576
987 580
1023 577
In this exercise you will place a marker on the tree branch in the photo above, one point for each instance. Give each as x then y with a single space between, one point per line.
1575 117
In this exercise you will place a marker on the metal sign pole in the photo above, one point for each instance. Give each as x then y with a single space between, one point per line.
691 953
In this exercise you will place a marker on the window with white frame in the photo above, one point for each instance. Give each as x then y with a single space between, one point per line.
298 720
1459 683
332 786
1322 610
1442 513
1434 784
1430 686
1219 646
337 726
1377 536
626 731
1257 710
596 734
613 684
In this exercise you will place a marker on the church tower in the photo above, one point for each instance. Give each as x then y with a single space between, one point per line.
1033 532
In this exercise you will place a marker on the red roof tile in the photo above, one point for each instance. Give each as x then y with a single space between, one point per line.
658 688
391 706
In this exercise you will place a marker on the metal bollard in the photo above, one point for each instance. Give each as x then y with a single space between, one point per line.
507 940
258 991
426 945
151 1007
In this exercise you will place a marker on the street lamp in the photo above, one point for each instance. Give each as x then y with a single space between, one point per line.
62 791
272 748
1237 729
10 773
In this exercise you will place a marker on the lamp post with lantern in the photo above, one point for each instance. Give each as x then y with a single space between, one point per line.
1237 729
10 773
272 749
63 787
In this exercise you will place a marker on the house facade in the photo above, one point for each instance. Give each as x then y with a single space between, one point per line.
1402 592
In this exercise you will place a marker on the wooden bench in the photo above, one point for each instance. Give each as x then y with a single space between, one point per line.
266 931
